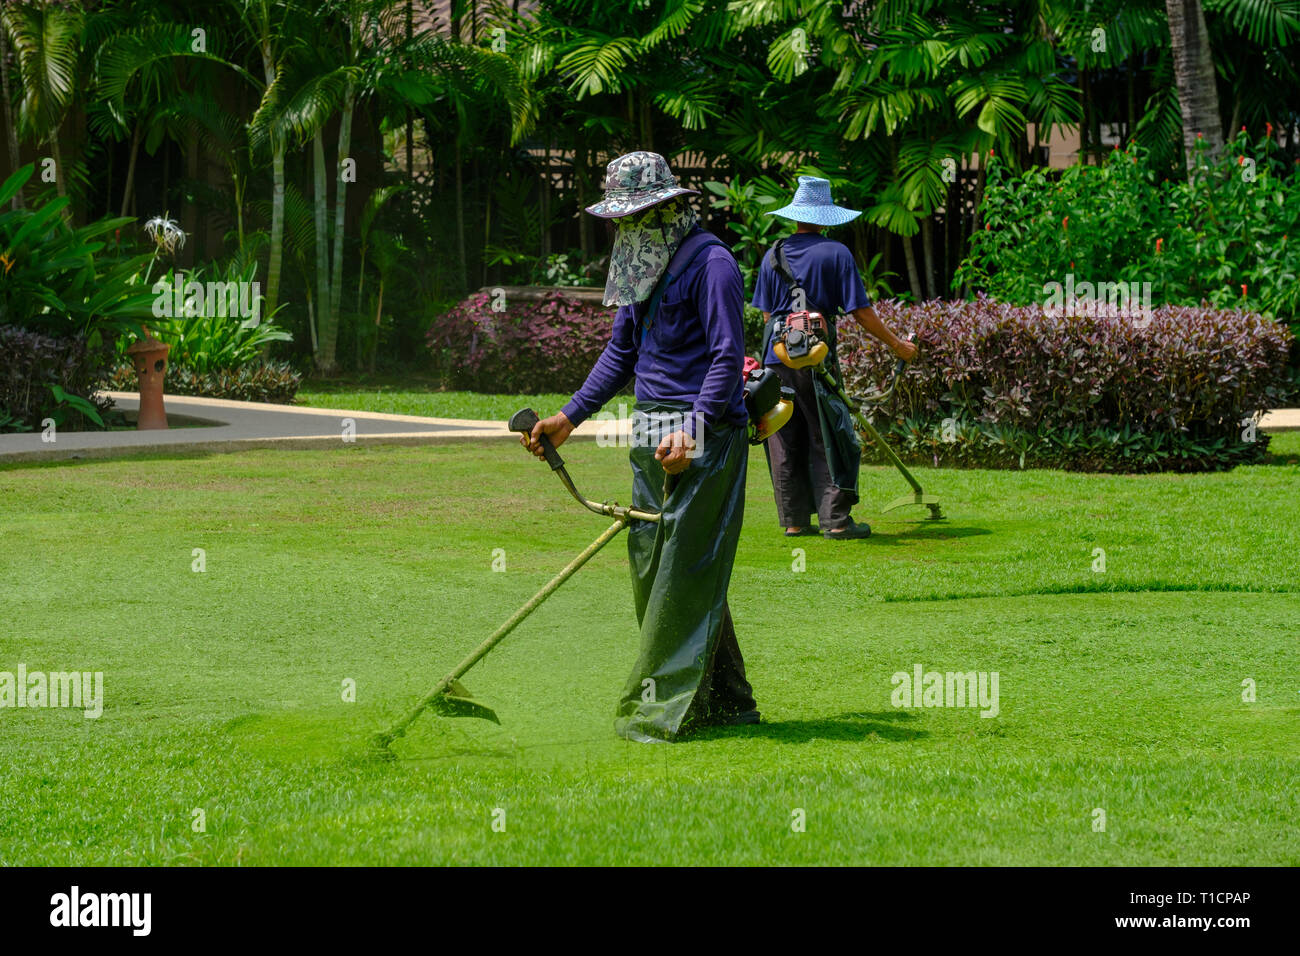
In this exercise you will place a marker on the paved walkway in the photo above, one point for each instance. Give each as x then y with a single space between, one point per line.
1281 420
219 425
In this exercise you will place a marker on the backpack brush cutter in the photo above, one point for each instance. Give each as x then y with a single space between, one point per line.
769 407
800 342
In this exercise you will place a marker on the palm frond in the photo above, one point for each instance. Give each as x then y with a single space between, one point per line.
46 39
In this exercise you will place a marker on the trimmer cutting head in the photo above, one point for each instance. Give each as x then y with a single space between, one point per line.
459 702
930 501
455 701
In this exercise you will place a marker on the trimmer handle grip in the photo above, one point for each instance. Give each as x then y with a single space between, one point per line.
902 363
523 421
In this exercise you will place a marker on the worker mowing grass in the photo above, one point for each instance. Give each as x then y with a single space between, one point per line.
678 330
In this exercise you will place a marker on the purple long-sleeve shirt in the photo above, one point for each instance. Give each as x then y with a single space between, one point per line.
693 353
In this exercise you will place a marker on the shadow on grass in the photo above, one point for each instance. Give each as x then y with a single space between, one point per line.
1274 458
849 727
76 459
926 531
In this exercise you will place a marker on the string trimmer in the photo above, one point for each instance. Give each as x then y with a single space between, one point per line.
798 343
449 697
768 406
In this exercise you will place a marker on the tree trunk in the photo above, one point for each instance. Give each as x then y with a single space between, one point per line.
276 257
59 186
913 276
238 181
11 133
379 312
410 116
647 125
311 321
130 168
329 332
319 212
546 200
480 277
1085 128
274 264
948 217
190 211
581 165
927 249
1198 97
460 220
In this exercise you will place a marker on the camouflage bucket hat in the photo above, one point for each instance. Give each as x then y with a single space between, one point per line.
636 181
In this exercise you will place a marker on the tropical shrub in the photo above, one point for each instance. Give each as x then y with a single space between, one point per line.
66 282
1228 236
748 203
259 381
1008 386
754 327
569 268
42 377
211 325
74 295
534 345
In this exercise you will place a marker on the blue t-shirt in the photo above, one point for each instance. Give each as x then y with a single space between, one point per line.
823 268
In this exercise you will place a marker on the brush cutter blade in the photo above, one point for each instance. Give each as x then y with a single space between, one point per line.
459 702
930 501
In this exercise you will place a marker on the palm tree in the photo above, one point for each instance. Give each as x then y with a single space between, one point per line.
1194 75
360 51
917 85
267 23
126 63
11 134
47 41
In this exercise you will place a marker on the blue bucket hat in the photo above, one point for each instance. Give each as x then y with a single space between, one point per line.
812 204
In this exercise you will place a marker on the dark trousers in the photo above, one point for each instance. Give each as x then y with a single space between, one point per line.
689 669
725 691
801 479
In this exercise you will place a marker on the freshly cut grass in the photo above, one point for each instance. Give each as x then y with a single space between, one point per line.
1119 690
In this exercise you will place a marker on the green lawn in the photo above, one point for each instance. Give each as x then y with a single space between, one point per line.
1119 691
407 398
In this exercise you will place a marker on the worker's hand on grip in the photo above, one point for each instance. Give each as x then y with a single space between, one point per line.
557 428
672 452
905 350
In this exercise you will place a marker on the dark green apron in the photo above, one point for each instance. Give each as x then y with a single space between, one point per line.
839 437
681 567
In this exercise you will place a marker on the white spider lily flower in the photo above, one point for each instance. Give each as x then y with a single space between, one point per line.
166 234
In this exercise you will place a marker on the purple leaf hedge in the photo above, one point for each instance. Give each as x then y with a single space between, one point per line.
546 345
995 385
1009 386
31 363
